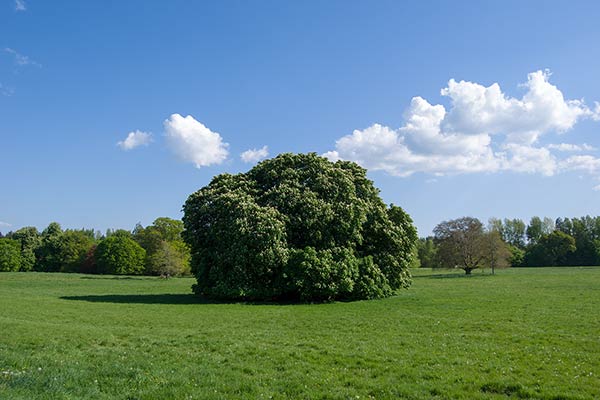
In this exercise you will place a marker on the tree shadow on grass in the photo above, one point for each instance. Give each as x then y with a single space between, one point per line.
143 299
169 298
453 275
95 277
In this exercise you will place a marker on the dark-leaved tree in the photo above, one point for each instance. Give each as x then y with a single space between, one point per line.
297 227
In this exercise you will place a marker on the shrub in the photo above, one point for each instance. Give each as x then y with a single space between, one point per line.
297 227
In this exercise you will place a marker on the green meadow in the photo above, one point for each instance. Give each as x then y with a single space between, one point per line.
531 333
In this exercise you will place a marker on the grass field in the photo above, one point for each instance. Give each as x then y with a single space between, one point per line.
523 333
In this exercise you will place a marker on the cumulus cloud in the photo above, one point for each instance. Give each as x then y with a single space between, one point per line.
135 139
254 155
483 130
193 142
20 5
585 163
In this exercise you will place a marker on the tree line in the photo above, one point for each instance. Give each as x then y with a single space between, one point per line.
157 249
468 244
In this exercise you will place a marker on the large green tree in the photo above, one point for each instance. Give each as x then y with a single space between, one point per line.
298 227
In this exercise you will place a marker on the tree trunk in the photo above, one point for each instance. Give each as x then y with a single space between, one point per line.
468 271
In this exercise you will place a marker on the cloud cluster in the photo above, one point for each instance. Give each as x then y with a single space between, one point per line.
193 142
484 130
135 139
255 155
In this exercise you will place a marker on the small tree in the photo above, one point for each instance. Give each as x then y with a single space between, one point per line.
167 259
498 254
10 255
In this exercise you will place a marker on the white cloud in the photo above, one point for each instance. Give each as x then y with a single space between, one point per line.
585 163
193 142
5 224
569 147
20 5
478 109
255 155
135 139
21 59
483 130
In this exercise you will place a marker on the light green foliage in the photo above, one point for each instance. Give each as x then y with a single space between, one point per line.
30 240
497 252
118 254
168 259
166 252
533 334
427 252
10 255
513 232
534 230
517 258
297 227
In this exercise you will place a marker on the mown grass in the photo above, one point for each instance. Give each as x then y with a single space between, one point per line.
523 333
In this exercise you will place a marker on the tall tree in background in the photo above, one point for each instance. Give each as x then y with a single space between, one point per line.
513 232
48 254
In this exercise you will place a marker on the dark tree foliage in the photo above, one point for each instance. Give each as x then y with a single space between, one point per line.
552 249
297 227
48 254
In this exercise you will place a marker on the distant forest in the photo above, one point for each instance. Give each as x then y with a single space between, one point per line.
157 249
542 242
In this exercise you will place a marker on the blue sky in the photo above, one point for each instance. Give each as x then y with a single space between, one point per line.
404 88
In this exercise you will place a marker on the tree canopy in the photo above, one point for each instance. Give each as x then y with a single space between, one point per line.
464 243
297 227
